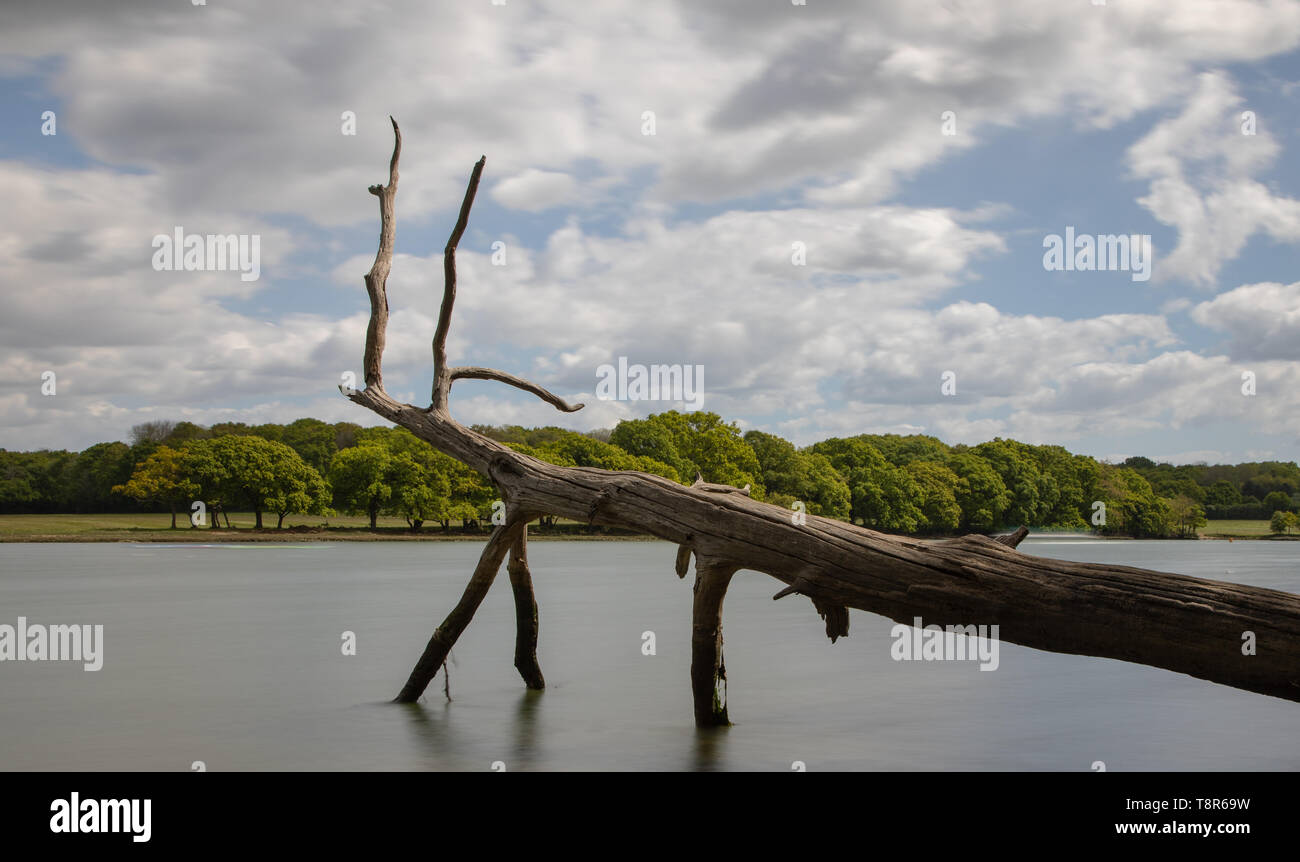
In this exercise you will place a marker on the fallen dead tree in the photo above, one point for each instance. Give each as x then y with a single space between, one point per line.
1179 623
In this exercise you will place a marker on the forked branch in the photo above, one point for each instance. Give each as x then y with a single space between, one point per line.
377 288
1237 635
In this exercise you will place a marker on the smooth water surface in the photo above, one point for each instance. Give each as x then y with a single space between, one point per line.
231 655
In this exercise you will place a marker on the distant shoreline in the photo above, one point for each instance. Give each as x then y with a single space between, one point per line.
207 536
153 528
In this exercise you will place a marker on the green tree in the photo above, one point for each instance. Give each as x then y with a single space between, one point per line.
186 431
1222 493
938 501
901 450
261 474
18 483
207 468
1068 478
652 439
981 494
361 478
419 493
881 495
571 449
1132 507
700 443
1187 515
1277 501
808 477
296 488
161 480
778 462
823 489
1032 495
313 440
1283 522
89 483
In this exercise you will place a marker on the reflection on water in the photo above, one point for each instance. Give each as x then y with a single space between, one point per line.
232 656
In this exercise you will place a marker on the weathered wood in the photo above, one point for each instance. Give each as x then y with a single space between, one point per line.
683 562
444 636
711 580
441 371
377 278
1179 623
1012 539
526 615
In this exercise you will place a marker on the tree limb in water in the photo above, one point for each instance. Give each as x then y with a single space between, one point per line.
1179 623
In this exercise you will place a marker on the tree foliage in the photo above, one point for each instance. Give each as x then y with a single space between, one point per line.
896 483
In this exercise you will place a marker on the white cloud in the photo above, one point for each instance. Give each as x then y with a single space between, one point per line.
1262 320
1201 169
533 190
810 117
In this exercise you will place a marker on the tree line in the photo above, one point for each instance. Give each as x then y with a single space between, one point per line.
914 484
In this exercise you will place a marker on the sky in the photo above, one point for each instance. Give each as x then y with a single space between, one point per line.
840 216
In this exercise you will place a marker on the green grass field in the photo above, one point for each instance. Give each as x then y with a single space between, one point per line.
148 527
156 528
1236 528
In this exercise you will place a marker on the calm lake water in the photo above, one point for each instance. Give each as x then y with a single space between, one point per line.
232 655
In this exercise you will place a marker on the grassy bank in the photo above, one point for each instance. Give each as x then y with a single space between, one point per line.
1240 530
300 528
156 528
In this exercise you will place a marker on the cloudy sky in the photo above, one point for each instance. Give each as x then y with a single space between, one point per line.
774 125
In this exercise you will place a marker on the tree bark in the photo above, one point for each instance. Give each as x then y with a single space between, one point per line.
711 581
444 636
1188 625
526 614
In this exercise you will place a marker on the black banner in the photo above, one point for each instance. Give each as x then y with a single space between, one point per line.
328 810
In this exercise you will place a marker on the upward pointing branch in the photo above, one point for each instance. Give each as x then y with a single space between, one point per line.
377 288
377 278
441 371
443 374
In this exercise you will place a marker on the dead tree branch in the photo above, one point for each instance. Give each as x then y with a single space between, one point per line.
1188 625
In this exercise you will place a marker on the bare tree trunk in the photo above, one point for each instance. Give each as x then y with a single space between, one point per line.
1242 636
711 581
526 616
445 635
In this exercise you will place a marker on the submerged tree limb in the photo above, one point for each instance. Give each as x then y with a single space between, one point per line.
1188 625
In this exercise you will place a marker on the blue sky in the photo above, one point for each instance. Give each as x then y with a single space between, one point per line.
818 124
